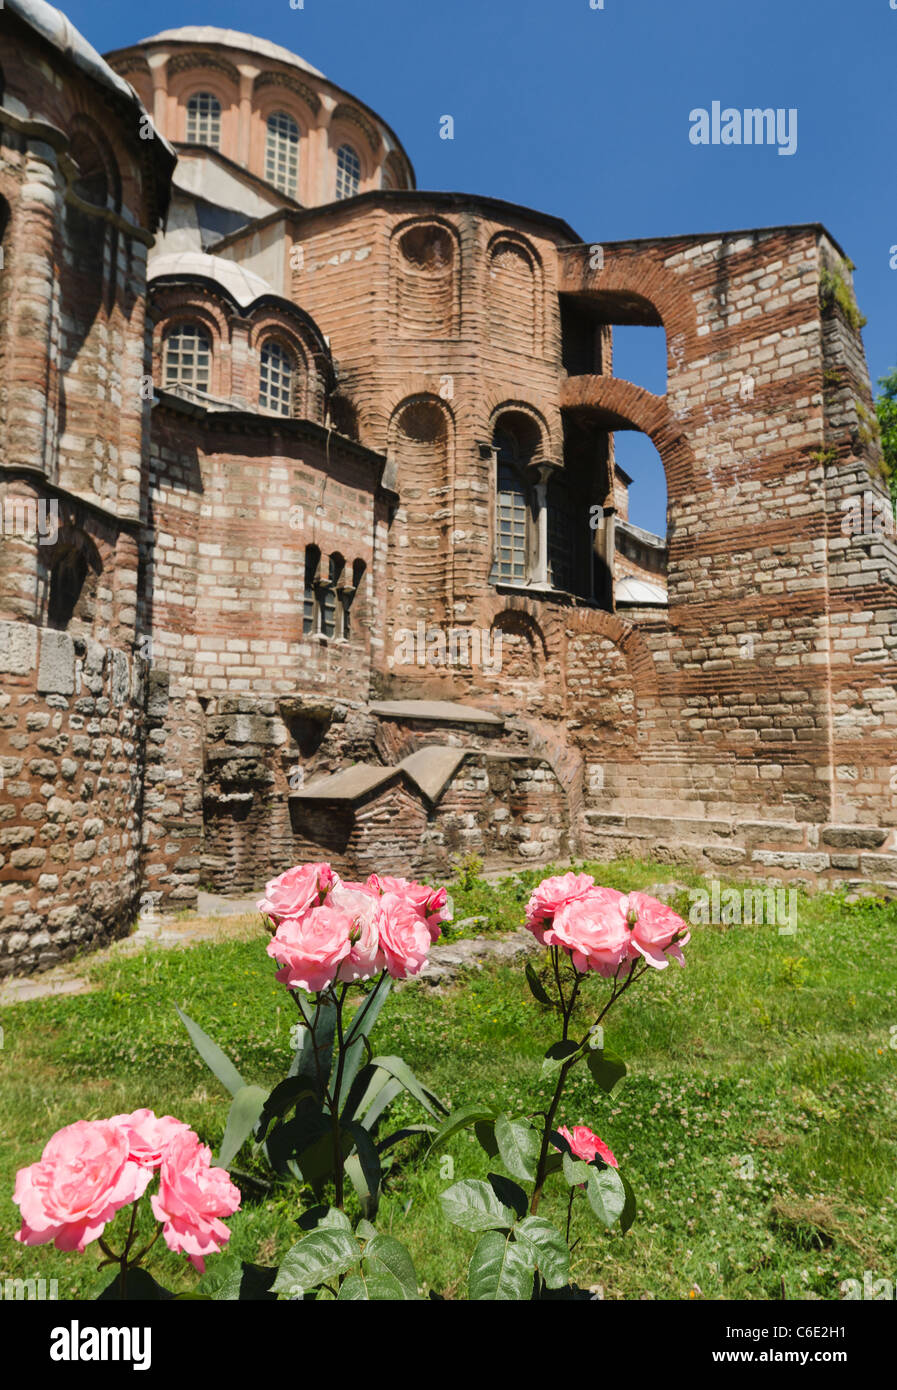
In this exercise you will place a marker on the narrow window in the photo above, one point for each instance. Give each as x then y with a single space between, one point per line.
188 357
348 172
204 120
310 608
276 375
282 153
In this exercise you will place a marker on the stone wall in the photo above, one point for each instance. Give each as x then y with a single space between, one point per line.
70 715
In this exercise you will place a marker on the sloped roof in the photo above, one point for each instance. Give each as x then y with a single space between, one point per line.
429 769
632 590
232 38
242 285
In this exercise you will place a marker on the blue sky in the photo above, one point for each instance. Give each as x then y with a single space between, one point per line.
584 113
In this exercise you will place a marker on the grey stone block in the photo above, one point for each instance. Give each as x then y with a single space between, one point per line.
121 678
18 648
56 673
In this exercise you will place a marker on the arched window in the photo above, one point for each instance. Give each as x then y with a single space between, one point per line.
282 153
188 357
310 607
92 182
348 172
517 440
74 577
511 515
204 120
330 616
277 373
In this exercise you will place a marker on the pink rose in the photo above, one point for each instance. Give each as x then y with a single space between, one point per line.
192 1197
594 930
361 906
431 903
84 1176
311 947
550 896
295 891
586 1144
404 936
657 931
148 1135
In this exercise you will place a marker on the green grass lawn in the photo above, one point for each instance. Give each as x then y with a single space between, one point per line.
758 1121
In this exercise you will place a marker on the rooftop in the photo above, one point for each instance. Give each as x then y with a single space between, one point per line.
232 38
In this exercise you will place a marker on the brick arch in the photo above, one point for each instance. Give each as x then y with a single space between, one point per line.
519 625
420 449
637 288
180 305
375 420
627 637
620 405
312 363
515 325
424 299
538 409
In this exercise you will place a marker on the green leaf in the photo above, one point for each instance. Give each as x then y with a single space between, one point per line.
375 1285
509 1193
246 1107
295 1136
286 1094
216 1060
406 1133
364 1168
606 1067
321 1256
460 1119
365 1231
558 1054
576 1171
550 1252
385 1096
230 1280
627 1216
500 1269
485 1133
473 1205
389 1254
327 1218
606 1194
517 1145
536 986
402 1072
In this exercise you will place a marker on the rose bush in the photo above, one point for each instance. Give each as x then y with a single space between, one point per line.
335 941
90 1170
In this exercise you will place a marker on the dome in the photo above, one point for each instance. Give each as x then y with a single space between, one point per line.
231 38
632 590
241 284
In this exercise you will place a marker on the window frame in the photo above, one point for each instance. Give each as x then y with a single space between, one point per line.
200 94
280 115
339 195
176 329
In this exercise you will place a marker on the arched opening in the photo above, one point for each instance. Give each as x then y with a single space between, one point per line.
282 153
424 295
74 572
277 378
348 172
187 357
204 120
420 442
513 296
614 333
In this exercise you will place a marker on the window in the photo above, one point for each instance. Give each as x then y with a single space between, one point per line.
276 375
204 120
512 511
348 172
562 537
310 612
188 357
282 153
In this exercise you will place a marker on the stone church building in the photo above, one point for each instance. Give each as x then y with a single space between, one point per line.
313 540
